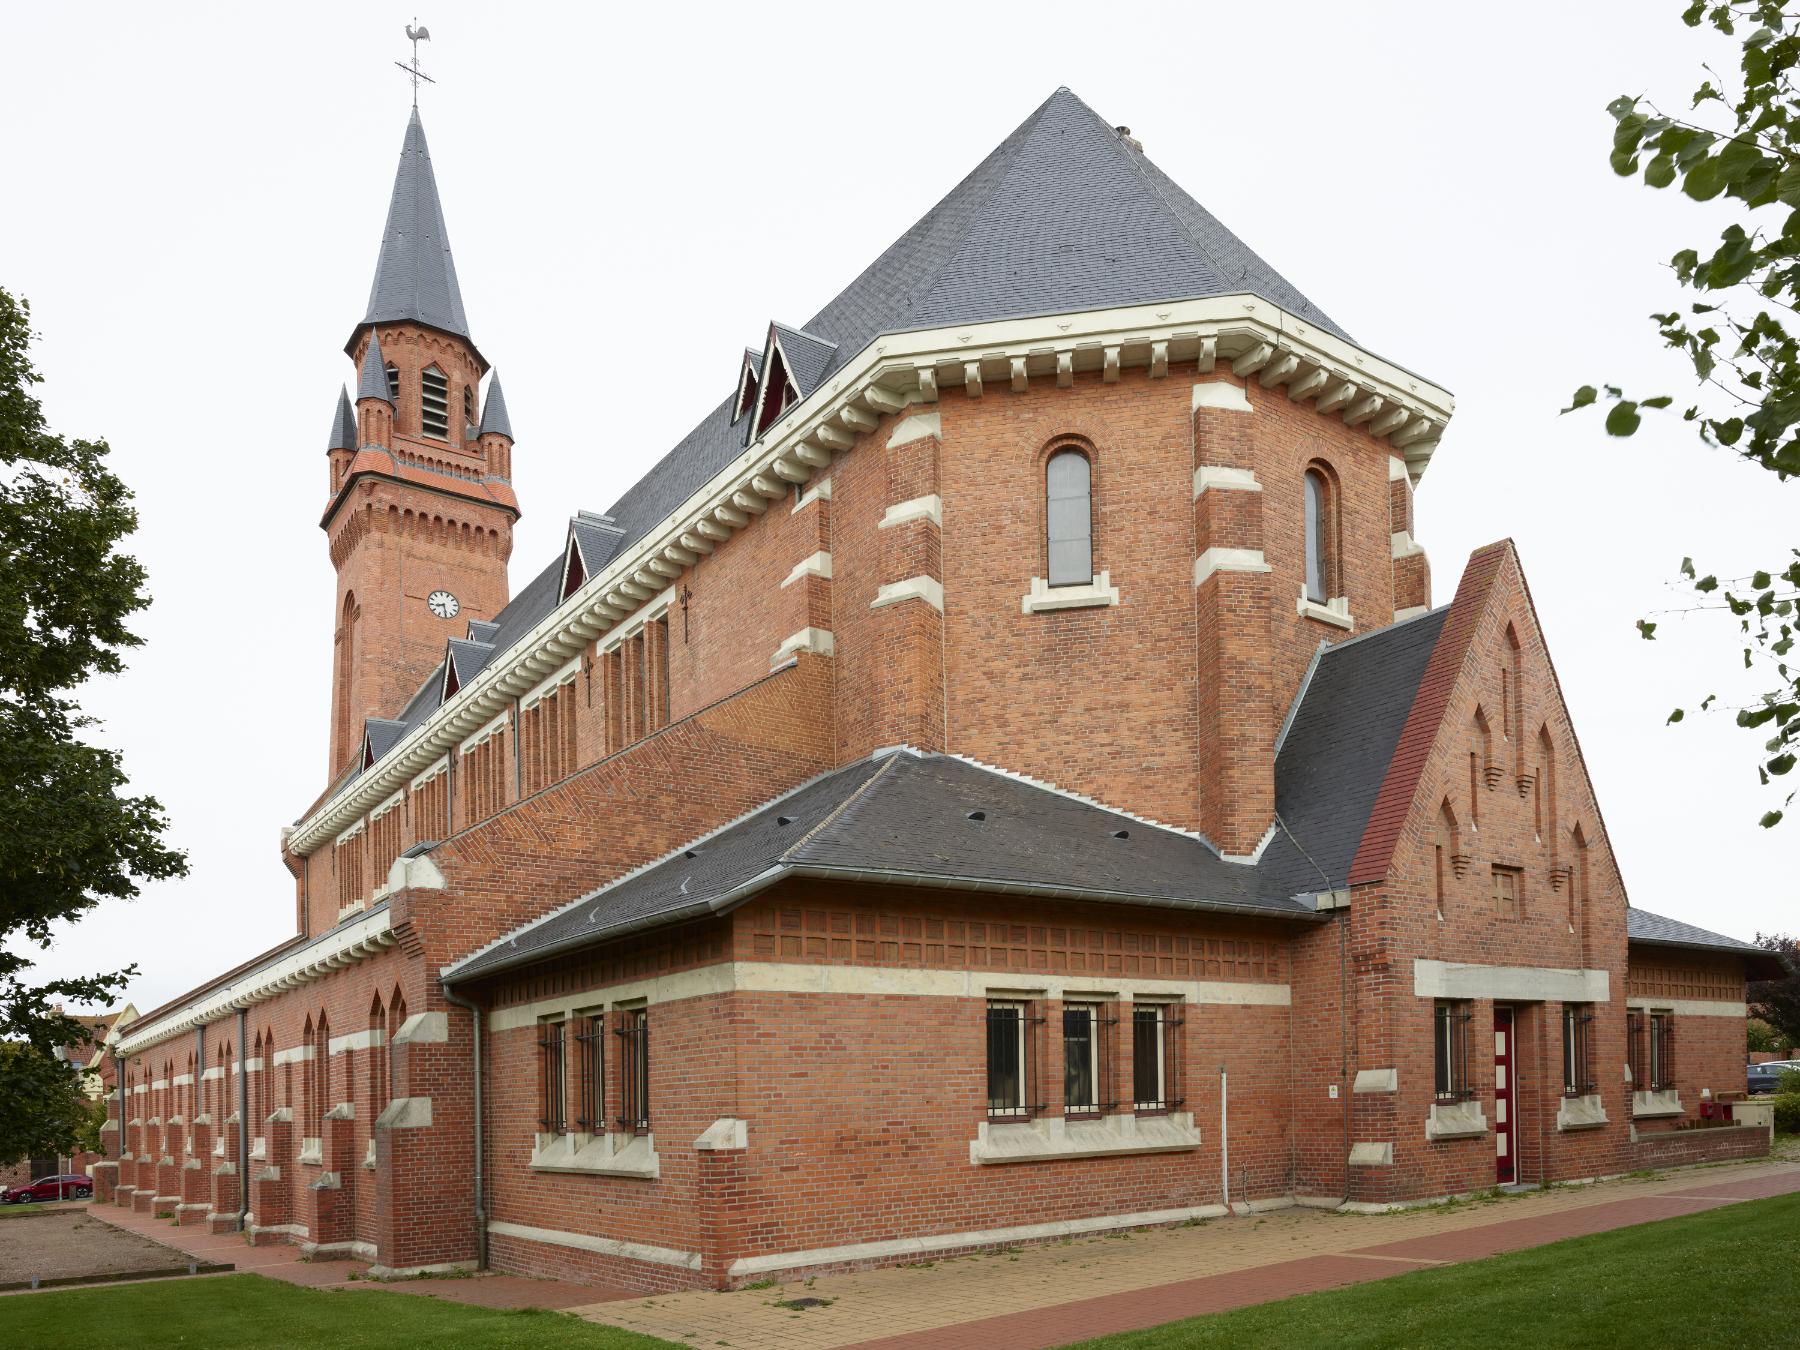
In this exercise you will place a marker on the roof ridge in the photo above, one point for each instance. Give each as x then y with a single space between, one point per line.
831 816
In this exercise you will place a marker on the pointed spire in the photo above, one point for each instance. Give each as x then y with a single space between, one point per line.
373 381
415 277
494 421
343 423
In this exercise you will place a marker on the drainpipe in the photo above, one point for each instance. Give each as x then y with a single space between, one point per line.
481 1231
243 1148
119 1077
1225 1136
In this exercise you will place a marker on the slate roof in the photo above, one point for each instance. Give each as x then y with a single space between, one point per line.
383 734
1336 750
371 380
415 276
905 817
343 423
1063 215
1654 930
494 420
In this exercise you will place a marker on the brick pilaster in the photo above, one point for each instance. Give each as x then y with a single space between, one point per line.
1233 600
909 634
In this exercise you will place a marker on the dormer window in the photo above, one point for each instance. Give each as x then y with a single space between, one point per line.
434 403
393 379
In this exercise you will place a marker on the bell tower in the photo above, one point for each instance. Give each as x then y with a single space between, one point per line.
421 507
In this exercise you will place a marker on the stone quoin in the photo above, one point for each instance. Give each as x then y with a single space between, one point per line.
1000 775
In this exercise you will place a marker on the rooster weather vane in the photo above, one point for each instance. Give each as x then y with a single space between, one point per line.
418 33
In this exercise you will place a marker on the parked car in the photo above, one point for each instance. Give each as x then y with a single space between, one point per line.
1765 1078
68 1186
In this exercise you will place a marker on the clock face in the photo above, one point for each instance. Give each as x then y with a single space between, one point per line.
443 604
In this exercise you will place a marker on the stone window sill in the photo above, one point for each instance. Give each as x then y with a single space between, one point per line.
312 1151
369 1156
1055 1137
1456 1120
259 1148
1043 597
1651 1105
1581 1113
1335 612
609 1155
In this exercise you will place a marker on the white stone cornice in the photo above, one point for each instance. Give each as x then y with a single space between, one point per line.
341 947
904 367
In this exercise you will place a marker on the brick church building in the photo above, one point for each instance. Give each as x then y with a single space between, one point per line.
1000 775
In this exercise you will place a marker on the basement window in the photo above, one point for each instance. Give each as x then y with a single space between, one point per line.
434 403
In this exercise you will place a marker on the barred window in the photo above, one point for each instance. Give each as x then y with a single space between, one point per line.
590 1059
1451 1051
551 1081
1662 1051
1087 1077
1578 1080
1009 1055
1155 1048
634 1070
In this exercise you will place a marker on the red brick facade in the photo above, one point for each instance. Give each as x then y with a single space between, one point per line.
817 1057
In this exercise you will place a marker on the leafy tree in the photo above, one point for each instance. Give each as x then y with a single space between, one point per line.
1777 1002
1738 333
1759 1037
70 835
46 1111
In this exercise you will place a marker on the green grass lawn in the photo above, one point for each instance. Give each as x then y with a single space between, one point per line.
250 1310
1714 1279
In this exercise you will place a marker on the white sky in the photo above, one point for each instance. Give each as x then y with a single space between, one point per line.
633 192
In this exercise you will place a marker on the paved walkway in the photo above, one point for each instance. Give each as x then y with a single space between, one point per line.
1043 1296
284 1262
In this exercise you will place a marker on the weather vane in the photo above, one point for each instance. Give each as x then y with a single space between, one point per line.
418 33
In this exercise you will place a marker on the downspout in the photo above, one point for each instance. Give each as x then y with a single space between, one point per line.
197 1098
481 1221
1225 1136
119 1077
243 1096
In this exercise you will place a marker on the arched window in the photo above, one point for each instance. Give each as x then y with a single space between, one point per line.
1069 519
393 379
434 403
346 665
1321 564
469 405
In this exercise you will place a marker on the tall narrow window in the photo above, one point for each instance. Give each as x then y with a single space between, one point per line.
1084 1056
1007 1061
434 403
393 379
1318 538
590 1060
1070 519
659 686
469 405
396 1023
550 1077
1450 1051
1662 1052
634 1071
1577 1080
1154 1064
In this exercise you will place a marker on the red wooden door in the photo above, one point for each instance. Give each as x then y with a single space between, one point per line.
1505 1152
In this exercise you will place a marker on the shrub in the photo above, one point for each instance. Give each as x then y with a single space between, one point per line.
1787 1113
1788 1082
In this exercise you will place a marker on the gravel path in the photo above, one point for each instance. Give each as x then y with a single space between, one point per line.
58 1245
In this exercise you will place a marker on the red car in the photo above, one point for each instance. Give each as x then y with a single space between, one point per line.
68 1186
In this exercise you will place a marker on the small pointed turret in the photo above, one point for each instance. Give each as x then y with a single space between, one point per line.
343 424
494 421
495 437
374 403
372 382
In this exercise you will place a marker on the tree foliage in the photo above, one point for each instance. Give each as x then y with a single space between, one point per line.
1739 331
46 1110
1777 1002
70 833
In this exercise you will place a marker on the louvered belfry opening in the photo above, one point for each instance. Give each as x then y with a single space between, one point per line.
434 403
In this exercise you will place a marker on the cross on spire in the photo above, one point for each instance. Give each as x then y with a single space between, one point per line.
418 33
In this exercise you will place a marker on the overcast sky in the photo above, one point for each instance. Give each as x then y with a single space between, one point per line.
195 197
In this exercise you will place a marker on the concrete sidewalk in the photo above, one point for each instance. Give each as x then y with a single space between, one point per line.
1043 1296
283 1262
